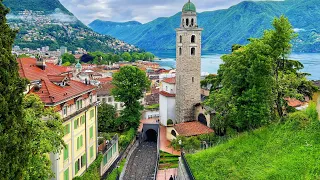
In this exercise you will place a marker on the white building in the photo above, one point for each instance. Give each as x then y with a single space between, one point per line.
167 100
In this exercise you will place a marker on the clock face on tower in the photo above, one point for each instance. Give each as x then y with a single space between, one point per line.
188 60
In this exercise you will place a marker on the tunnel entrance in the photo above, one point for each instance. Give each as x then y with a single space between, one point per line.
152 135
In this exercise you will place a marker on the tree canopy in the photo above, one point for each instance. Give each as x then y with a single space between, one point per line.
107 118
256 78
130 84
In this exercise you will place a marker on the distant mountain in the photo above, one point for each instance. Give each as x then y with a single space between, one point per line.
49 23
222 28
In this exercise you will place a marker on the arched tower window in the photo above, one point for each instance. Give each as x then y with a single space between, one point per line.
193 51
180 51
192 22
187 22
183 22
193 39
180 40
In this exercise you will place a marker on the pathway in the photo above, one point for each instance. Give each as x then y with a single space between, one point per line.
142 162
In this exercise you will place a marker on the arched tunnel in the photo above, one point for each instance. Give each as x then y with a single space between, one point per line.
151 135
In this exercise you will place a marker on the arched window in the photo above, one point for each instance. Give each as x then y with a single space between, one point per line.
187 22
193 39
180 40
192 22
183 22
193 51
173 133
180 51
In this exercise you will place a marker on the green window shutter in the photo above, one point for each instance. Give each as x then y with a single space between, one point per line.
91 151
92 113
105 160
76 166
78 139
75 124
91 132
84 159
66 153
81 141
66 174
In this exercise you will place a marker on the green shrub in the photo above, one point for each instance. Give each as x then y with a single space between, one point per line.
169 122
153 107
126 138
113 175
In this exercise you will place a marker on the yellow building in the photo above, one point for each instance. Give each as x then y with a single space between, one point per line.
76 103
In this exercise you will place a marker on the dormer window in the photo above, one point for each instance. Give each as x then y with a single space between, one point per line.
79 104
64 111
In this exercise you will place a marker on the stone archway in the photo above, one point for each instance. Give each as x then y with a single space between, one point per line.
151 135
202 119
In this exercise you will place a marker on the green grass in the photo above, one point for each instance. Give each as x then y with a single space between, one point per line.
280 151
153 106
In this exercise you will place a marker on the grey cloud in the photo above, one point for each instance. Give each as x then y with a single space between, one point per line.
139 10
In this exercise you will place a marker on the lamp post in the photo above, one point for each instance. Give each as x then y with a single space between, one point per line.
181 148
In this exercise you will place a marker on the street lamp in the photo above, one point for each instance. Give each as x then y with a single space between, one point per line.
180 143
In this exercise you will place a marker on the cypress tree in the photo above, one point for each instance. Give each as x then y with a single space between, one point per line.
12 156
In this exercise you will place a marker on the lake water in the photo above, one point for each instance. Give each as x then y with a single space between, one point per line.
210 62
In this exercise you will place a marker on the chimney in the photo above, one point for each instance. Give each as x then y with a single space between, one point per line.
41 63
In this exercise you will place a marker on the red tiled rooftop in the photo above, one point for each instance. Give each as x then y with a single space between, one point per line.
166 94
170 80
193 128
49 92
105 80
294 102
105 89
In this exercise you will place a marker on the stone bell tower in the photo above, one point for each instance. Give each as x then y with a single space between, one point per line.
188 62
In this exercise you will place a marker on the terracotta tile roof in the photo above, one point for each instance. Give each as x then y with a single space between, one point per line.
163 93
49 92
170 80
105 80
193 128
105 89
56 78
294 102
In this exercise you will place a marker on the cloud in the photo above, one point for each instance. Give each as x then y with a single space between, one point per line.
138 10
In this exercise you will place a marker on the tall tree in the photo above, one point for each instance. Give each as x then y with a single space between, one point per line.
130 84
12 147
289 82
25 140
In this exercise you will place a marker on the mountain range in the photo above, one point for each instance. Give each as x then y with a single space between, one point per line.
223 28
48 23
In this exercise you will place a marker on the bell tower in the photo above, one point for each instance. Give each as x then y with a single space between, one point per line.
188 63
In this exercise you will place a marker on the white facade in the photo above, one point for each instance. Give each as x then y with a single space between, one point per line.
167 102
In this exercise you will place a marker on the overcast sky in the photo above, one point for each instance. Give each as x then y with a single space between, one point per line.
137 10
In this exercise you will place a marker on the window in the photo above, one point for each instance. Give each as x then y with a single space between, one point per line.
83 160
193 79
114 148
180 51
103 100
66 174
193 51
66 153
187 22
180 39
82 119
105 160
193 39
116 106
76 167
66 129
91 113
192 22
90 99
76 123
91 152
91 132
79 104
110 99
64 110
79 142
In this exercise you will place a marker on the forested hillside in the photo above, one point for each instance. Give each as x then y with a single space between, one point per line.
222 28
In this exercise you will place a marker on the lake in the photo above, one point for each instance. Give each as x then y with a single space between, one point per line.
210 61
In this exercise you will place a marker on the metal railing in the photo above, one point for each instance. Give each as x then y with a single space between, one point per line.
187 167
158 155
